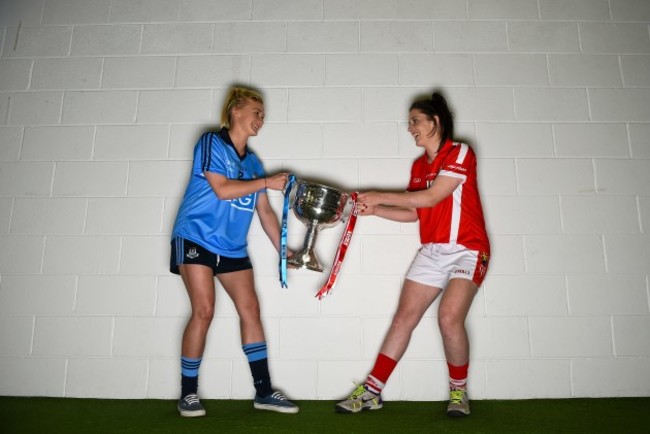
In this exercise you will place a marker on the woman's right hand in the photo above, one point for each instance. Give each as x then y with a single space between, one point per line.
277 182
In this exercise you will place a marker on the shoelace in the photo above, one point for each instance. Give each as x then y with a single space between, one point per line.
191 398
279 396
456 396
360 390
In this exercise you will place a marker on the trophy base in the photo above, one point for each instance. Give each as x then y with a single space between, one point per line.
305 260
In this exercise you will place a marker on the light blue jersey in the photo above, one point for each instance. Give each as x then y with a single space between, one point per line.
220 226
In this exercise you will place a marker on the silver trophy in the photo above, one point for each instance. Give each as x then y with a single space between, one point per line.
318 207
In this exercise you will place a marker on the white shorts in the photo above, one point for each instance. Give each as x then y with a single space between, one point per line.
435 264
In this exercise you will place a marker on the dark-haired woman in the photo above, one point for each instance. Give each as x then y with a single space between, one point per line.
443 196
227 186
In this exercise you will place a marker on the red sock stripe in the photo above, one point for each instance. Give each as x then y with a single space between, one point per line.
458 372
384 366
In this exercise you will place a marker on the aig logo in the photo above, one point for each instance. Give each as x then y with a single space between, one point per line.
246 203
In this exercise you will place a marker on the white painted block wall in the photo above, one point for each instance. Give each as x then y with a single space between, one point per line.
101 103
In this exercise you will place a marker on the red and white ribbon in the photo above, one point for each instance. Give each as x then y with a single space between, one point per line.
341 251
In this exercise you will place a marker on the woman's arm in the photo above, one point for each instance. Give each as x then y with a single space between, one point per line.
442 187
226 189
394 213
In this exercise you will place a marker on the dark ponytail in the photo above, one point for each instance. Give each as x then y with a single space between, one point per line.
437 106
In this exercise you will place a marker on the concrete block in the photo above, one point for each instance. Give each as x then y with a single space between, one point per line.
158 178
620 294
431 9
397 36
296 300
375 257
540 379
542 104
138 72
570 254
361 70
497 177
614 38
287 10
131 142
385 173
622 176
43 41
320 338
26 178
481 104
442 69
511 69
144 11
628 341
635 70
337 173
424 380
522 214
288 70
177 38
600 214
591 140
569 176
543 37
378 294
470 36
138 216
142 255
74 336
623 105
359 9
515 140
334 104
253 37
56 216
584 70
102 107
507 253
92 255
502 10
21 254
289 140
630 10
16 333
323 37
578 10
6 208
28 13
119 379
297 379
115 295
15 74
530 295
183 138
215 10
37 294
58 143
11 138
147 336
561 337
499 337
90 179
167 106
35 108
33 376
644 206
617 377
76 12
113 40
627 253
388 104
358 140
211 71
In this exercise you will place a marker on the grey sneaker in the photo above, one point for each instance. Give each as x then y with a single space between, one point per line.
275 402
190 406
458 403
360 399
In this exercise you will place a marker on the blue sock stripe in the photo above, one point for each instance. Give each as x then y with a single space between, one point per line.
255 351
190 367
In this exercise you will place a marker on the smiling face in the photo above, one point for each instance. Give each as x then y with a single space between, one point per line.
248 117
423 129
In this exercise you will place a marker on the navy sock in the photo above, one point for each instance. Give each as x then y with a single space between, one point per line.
258 361
189 375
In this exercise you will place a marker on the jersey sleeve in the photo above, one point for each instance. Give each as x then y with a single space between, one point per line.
459 162
211 153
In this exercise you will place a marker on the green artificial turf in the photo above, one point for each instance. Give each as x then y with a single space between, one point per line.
68 415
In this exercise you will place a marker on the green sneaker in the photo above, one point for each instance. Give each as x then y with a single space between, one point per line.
275 402
190 406
360 399
458 403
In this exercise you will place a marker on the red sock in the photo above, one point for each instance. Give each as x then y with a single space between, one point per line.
379 375
458 375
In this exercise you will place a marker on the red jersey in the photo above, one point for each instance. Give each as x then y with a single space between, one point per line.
458 218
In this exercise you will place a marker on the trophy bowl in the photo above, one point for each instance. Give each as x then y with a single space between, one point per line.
318 207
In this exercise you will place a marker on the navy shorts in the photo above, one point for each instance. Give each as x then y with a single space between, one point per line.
187 252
